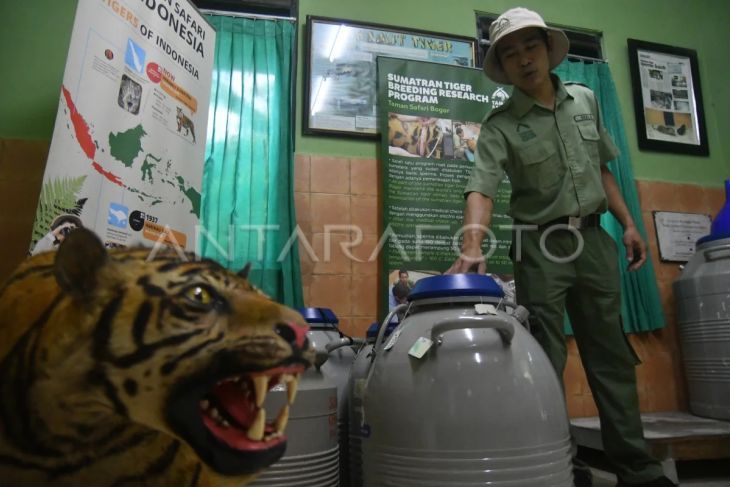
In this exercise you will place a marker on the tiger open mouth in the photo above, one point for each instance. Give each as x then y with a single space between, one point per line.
220 414
233 411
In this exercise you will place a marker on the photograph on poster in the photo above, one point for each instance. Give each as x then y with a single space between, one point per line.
431 138
681 106
400 284
667 98
465 140
679 81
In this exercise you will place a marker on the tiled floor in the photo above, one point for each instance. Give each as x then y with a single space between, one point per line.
691 474
681 437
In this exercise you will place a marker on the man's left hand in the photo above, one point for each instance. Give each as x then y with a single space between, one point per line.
635 248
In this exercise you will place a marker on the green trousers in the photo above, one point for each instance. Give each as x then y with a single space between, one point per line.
588 287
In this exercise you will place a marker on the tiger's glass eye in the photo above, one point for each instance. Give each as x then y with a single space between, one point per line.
200 295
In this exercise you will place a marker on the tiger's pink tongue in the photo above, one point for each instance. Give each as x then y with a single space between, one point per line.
239 405
237 402
237 438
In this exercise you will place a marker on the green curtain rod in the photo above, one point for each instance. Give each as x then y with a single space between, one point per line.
227 13
485 43
586 58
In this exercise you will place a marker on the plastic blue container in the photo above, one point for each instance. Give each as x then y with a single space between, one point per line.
451 285
721 224
319 316
373 330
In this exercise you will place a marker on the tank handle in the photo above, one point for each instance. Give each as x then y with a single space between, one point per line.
505 329
722 249
374 353
384 325
521 314
343 342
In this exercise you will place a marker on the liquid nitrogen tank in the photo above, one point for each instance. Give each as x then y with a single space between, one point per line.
318 417
338 351
703 300
462 395
358 373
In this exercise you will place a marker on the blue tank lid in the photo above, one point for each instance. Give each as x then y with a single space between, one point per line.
720 228
454 285
712 237
373 330
319 315
391 326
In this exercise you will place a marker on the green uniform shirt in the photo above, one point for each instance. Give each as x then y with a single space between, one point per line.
553 159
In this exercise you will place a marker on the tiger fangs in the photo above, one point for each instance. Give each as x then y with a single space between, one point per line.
261 383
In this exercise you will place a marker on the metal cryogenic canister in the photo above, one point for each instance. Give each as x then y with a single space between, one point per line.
317 429
462 395
703 300
338 353
358 372
312 450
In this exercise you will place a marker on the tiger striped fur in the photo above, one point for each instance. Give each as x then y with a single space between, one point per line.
109 363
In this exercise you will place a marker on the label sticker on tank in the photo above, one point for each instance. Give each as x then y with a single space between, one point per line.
420 348
393 339
485 309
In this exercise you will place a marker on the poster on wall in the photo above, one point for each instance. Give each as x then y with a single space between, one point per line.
667 98
431 115
126 158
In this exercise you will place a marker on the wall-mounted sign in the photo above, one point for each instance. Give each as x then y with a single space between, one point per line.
677 234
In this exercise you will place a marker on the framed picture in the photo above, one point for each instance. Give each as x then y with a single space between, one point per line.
340 72
677 233
667 98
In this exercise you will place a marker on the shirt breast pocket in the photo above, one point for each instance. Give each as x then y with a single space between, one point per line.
540 165
590 136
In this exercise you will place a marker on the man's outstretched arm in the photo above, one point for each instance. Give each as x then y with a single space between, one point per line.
477 217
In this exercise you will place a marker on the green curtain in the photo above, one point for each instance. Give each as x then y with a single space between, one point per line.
641 308
247 210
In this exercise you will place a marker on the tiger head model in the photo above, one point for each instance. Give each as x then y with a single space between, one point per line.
119 370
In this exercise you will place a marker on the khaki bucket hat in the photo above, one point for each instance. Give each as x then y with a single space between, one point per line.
513 20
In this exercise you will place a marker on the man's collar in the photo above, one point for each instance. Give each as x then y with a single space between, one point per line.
523 103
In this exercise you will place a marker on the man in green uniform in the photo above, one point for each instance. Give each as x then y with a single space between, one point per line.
549 139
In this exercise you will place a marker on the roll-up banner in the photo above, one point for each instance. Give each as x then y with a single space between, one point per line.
430 118
126 158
